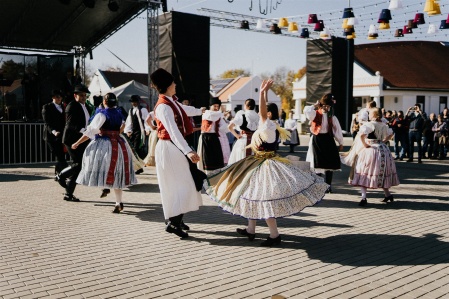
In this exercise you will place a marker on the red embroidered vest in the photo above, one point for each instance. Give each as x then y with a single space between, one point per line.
182 120
206 125
315 126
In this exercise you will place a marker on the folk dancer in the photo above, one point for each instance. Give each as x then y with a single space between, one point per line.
107 160
323 153
179 194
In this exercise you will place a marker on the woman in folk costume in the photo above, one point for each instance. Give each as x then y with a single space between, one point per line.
138 164
107 160
286 189
291 125
372 165
179 194
209 145
152 140
246 122
325 128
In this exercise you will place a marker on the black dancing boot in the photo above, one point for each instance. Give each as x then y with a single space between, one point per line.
64 174
270 241
244 232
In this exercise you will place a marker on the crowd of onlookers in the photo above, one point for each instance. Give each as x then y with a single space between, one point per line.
428 132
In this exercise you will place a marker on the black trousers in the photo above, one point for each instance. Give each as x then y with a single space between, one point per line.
73 170
57 150
135 140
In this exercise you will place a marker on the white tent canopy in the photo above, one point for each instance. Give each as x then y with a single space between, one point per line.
125 91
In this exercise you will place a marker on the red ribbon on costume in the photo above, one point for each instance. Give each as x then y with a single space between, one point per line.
115 138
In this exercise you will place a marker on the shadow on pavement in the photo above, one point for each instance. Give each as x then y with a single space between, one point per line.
141 187
356 250
398 204
13 177
217 216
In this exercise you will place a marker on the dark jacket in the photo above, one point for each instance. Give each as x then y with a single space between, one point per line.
54 120
75 121
416 122
403 128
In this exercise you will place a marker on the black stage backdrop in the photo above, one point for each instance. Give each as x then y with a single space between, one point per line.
330 70
184 51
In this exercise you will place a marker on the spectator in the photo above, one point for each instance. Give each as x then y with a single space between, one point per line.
441 133
445 118
428 136
416 118
400 129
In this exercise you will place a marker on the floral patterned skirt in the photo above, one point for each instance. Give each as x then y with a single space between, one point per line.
264 186
374 167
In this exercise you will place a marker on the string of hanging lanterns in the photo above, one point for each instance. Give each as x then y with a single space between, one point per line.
384 20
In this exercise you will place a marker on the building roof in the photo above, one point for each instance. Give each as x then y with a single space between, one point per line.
231 88
218 84
116 79
408 64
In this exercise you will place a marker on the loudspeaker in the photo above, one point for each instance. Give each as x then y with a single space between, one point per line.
184 52
330 66
342 79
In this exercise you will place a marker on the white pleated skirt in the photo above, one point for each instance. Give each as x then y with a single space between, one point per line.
96 162
177 188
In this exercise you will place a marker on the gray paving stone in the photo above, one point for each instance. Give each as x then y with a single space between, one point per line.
332 250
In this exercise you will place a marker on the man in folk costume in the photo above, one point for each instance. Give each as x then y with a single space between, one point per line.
209 146
54 118
77 118
135 126
179 194
323 152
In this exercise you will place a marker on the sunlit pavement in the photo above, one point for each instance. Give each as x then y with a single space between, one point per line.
51 248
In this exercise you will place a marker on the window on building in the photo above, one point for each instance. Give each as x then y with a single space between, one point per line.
421 100
443 104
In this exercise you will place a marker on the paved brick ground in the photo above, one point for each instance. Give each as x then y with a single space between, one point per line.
55 249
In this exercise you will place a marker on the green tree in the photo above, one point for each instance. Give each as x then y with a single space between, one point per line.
234 73
283 85
12 70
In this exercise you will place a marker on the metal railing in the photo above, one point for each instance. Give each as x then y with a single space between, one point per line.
22 143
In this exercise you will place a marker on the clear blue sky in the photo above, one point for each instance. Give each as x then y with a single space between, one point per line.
259 52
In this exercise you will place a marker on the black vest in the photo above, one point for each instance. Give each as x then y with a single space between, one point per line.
135 119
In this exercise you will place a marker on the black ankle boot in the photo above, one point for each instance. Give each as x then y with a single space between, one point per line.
184 226
270 242
244 232
176 230
388 198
